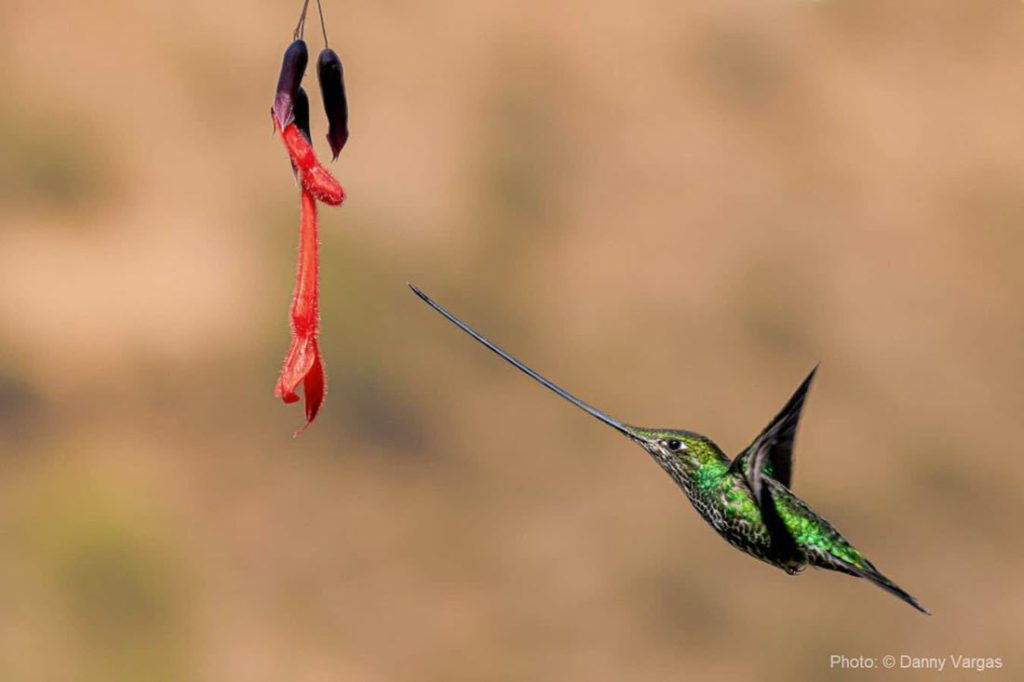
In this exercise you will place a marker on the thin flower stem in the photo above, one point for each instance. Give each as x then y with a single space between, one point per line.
300 27
323 26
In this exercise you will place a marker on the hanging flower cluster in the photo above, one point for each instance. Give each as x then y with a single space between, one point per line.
290 113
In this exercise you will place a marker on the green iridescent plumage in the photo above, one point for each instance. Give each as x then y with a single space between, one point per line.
747 500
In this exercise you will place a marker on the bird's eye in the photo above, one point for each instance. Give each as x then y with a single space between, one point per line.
674 445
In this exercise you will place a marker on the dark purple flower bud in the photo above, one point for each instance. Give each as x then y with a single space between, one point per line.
301 113
332 88
292 69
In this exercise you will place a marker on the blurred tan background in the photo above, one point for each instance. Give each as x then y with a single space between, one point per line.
673 208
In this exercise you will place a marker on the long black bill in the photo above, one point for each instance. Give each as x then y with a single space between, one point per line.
614 423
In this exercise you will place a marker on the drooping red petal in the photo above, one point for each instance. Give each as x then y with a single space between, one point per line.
315 388
301 357
316 179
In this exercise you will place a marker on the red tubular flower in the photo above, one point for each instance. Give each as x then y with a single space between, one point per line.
290 113
303 363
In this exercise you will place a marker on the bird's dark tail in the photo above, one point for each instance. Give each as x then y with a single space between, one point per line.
869 572
894 589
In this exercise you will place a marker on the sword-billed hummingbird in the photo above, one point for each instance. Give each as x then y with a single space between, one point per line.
747 500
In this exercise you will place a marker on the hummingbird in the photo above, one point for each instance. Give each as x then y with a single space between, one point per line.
747 500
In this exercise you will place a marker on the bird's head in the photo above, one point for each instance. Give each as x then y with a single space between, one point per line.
687 451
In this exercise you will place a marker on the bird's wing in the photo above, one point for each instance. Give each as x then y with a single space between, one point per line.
771 453
783 543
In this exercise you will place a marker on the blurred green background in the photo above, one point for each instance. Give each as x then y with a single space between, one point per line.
674 208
